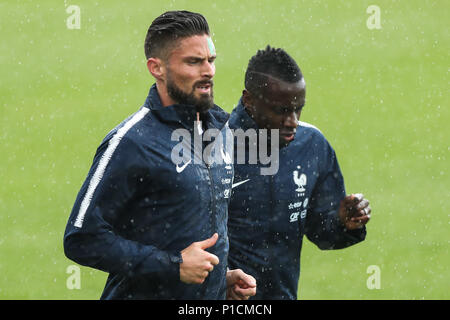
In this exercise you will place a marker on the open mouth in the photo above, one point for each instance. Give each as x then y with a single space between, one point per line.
288 136
204 88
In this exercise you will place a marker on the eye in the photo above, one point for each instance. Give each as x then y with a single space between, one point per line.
193 61
298 108
281 110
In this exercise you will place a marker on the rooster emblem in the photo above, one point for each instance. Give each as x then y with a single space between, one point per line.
300 181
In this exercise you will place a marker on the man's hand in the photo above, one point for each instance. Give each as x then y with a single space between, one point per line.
198 263
240 286
354 211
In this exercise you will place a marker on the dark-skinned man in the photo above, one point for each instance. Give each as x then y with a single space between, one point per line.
270 214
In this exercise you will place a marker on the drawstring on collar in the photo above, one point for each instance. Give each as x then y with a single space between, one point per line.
199 124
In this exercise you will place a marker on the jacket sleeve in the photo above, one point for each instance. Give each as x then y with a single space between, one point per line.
323 226
92 236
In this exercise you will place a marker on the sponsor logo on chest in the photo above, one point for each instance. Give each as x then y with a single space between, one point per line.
299 208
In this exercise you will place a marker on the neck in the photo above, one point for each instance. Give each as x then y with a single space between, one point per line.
166 100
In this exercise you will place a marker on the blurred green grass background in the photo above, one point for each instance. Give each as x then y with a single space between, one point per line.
379 96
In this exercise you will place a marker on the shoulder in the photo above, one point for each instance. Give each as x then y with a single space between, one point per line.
134 120
127 133
219 113
309 131
219 117
309 127
310 137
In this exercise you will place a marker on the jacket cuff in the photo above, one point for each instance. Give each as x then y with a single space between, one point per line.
355 235
175 259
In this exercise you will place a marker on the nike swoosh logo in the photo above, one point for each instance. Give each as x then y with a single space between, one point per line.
180 169
234 185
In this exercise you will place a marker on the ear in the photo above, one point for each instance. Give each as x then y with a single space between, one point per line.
156 67
247 99
248 102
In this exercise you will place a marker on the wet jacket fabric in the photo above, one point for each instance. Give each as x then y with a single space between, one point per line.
137 209
270 214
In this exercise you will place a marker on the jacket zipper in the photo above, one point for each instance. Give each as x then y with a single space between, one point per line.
271 230
213 201
208 167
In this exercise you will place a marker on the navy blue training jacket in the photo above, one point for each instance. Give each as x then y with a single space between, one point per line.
270 214
137 209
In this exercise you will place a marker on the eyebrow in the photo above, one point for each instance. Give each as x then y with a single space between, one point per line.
199 58
289 107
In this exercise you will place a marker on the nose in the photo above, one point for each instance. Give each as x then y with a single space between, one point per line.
291 120
208 70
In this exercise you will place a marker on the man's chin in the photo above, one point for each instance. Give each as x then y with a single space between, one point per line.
284 143
204 104
202 108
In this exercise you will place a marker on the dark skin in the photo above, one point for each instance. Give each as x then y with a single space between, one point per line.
279 106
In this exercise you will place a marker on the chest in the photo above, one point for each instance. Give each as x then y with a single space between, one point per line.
184 165
280 201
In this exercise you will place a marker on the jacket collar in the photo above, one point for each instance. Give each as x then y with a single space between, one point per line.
183 114
240 118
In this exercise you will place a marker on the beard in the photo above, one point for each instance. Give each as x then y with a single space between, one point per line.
202 103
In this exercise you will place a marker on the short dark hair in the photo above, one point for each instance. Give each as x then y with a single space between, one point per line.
171 26
273 62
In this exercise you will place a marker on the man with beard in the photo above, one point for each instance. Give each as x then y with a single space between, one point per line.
157 227
270 214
